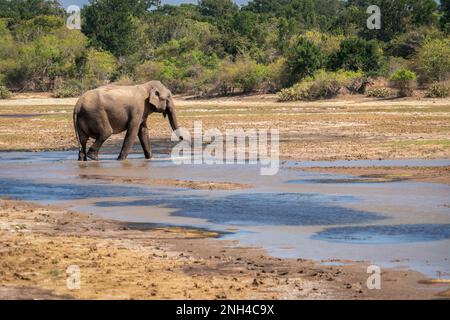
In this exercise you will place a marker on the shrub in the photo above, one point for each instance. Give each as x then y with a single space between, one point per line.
438 90
434 60
100 65
299 91
165 71
243 75
324 85
124 80
71 88
379 93
248 75
276 75
407 44
4 92
357 54
353 81
303 59
404 81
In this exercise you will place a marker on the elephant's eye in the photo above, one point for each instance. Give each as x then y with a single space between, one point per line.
157 93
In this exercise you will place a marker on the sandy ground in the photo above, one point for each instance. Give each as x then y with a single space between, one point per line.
351 127
120 261
189 184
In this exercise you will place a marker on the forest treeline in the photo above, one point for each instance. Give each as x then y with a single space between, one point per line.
303 49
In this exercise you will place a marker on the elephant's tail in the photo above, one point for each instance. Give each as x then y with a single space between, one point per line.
75 121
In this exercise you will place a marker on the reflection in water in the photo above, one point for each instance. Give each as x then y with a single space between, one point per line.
386 234
258 209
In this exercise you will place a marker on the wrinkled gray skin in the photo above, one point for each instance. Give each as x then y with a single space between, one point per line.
112 109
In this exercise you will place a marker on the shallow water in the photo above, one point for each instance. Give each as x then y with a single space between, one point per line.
292 214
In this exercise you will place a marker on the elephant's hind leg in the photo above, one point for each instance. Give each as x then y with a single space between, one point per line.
95 148
83 141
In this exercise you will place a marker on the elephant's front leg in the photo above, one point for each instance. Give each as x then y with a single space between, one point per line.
130 137
145 141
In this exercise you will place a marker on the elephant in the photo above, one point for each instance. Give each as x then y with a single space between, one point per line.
112 109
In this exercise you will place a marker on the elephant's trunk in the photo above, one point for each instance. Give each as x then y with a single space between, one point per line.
172 117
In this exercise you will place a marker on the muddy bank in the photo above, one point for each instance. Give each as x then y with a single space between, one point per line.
122 261
189 184
386 174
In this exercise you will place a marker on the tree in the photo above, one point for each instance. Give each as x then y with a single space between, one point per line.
407 44
43 60
27 9
303 59
217 8
444 21
357 54
99 65
398 16
434 59
111 24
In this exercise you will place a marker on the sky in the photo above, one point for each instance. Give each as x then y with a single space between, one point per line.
80 3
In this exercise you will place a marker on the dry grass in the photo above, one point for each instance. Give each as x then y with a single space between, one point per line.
356 128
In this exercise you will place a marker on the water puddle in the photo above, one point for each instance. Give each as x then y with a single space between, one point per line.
383 234
294 214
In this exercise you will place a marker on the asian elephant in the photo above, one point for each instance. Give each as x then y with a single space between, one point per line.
112 109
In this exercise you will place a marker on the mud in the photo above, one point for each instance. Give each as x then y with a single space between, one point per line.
283 214
118 262
189 184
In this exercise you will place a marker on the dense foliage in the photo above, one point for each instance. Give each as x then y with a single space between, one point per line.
217 47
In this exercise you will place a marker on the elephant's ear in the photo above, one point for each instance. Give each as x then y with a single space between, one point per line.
154 99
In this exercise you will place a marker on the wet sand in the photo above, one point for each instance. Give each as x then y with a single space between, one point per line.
122 261
189 184
386 174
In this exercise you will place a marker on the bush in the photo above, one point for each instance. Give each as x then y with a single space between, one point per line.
379 93
4 92
324 85
438 90
248 74
299 91
434 60
407 44
243 75
303 59
277 75
357 54
100 65
404 81
71 88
